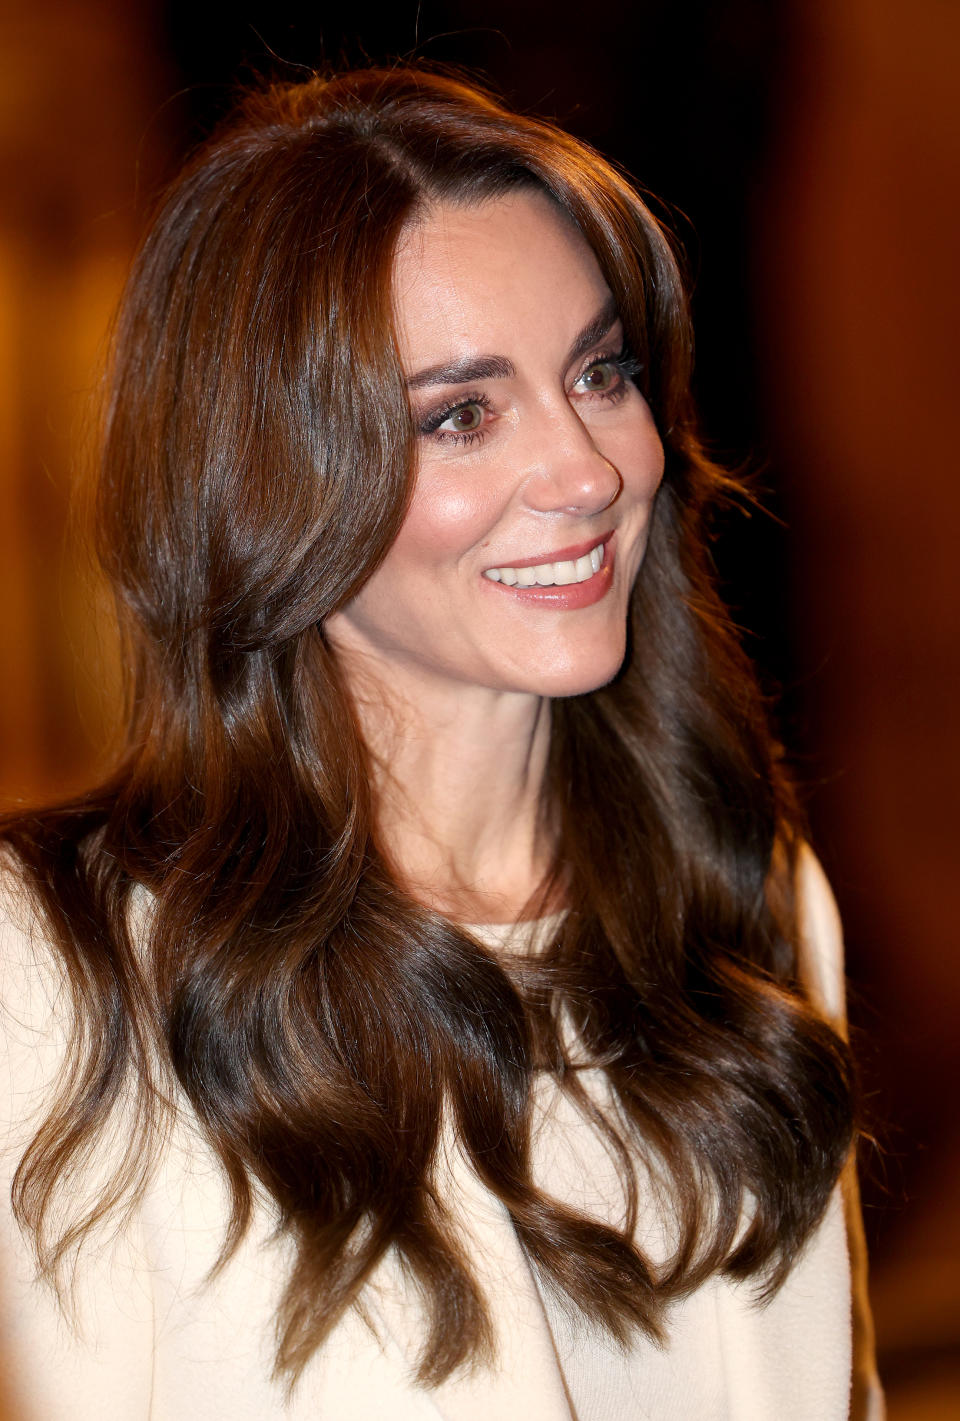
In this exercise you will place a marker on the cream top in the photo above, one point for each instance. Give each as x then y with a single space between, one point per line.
156 1341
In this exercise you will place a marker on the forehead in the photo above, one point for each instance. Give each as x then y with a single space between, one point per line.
492 276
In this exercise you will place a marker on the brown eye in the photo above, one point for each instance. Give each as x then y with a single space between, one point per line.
598 377
464 419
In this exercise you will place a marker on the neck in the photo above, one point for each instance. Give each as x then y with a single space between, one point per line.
459 775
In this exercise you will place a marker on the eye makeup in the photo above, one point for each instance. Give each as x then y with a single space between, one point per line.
622 361
429 425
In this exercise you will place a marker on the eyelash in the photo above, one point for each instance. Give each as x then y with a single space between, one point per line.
431 424
626 365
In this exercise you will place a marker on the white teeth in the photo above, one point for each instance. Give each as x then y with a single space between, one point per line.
550 574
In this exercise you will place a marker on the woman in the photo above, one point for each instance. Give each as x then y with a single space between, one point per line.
436 1014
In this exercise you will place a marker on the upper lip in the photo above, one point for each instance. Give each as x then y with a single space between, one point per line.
568 554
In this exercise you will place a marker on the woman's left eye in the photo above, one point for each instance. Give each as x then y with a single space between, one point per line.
600 377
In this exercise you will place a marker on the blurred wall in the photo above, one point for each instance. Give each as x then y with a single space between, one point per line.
78 85
858 260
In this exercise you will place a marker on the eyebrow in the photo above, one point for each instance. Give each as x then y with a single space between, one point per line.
461 372
595 331
498 367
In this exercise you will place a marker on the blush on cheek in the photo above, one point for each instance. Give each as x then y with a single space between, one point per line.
445 522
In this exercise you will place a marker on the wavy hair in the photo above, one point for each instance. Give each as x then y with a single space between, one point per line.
257 464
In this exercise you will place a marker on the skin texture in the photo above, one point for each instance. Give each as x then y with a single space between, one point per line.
556 450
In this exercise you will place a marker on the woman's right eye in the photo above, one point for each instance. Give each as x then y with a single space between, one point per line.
464 419
459 422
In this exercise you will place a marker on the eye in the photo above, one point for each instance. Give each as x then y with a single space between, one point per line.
459 423
465 419
600 377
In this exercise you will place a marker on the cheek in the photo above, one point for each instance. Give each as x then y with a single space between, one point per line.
448 517
653 477
642 466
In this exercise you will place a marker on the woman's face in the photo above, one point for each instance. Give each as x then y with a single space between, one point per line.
538 461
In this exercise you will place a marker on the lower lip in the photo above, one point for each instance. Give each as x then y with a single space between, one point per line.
573 595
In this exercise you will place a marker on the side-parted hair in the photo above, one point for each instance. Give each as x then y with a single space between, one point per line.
257 465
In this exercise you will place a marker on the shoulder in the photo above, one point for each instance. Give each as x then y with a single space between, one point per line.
73 1343
36 1009
32 986
821 938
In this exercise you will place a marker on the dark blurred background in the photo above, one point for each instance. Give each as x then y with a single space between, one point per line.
807 156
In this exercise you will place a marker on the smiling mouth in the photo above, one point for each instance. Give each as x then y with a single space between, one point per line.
564 572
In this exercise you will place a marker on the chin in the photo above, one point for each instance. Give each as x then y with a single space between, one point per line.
580 677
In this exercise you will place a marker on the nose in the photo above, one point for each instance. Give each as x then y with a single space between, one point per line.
567 473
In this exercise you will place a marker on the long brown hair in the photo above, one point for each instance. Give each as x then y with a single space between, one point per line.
257 464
